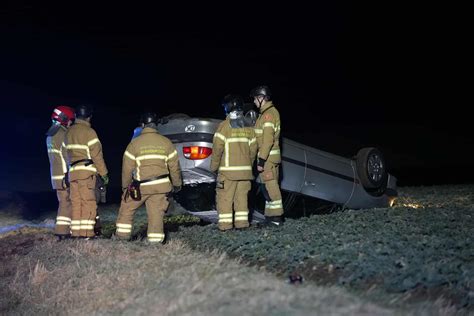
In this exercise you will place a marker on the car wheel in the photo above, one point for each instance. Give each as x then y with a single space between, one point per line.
371 168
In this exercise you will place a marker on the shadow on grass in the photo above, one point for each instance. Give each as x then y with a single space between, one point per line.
296 205
172 224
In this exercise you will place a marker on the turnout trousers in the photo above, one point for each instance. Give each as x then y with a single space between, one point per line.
156 206
84 206
63 219
232 195
270 177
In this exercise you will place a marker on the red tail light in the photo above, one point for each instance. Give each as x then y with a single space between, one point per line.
196 152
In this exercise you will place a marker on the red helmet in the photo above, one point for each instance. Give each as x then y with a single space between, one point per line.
63 114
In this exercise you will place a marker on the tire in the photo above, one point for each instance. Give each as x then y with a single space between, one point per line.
371 169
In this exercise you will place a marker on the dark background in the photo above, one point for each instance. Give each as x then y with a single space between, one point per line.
344 76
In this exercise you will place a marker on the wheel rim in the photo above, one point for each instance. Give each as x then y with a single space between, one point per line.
375 168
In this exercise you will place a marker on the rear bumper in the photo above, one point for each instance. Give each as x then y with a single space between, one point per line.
196 176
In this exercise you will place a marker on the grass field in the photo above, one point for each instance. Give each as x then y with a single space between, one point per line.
415 258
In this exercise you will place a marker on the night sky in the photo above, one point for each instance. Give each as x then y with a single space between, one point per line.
344 76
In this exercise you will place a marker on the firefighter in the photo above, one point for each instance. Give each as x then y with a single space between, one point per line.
267 130
63 116
150 173
234 149
86 163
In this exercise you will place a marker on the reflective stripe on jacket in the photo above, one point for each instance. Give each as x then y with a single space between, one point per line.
151 155
82 143
233 151
267 130
57 163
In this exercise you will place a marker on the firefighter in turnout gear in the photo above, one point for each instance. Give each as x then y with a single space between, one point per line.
267 130
234 150
86 162
62 117
150 172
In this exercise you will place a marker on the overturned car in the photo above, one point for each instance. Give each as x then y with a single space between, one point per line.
358 182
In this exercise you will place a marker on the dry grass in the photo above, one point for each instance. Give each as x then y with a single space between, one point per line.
106 277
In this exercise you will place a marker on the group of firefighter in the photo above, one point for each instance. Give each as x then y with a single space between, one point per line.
151 170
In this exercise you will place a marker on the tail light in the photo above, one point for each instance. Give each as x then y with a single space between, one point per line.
196 152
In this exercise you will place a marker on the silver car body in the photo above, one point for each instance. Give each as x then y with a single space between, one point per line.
305 170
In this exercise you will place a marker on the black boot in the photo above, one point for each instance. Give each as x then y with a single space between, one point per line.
97 227
276 221
63 237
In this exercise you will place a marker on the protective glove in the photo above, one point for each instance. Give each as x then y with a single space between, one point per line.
260 164
105 178
176 189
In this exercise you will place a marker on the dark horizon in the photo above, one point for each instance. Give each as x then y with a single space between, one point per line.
344 76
